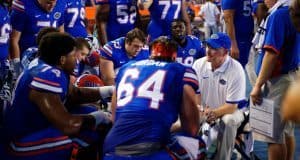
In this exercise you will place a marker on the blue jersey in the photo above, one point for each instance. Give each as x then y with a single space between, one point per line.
28 18
74 18
163 12
191 51
149 97
283 39
122 17
23 116
5 29
242 17
115 52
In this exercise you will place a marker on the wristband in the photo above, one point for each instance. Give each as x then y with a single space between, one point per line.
106 91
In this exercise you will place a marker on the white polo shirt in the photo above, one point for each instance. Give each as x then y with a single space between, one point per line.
225 85
209 11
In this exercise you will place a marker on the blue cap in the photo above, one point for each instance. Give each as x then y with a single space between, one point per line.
219 40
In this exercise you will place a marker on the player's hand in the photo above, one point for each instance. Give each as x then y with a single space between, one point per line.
256 96
234 51
212 116
93 59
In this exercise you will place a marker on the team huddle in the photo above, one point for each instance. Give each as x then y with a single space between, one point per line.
113 89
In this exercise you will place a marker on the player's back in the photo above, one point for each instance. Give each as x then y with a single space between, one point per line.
5 31
149 96
74 18
24 117
28 18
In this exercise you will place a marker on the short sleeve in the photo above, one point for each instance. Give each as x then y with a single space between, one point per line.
106 52
191 79
52 80
18 15
275 33
237 86
228 4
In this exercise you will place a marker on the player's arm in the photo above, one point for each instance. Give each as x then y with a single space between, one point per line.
107 71
14 44
80 95
53 109
230 29
14 53
102 15
186 18
266 70
18 21
189 114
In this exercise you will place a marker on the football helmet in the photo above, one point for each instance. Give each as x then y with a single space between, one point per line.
88 80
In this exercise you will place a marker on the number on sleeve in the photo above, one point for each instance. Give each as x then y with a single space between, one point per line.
150 88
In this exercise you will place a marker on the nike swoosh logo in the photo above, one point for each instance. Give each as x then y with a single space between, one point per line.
205 77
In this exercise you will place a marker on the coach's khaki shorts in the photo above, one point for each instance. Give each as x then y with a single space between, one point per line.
275 89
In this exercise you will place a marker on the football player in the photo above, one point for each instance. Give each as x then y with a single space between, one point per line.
149 96
38 124
116 53
190 48
114 18
239 26
162 13
27 18
74 18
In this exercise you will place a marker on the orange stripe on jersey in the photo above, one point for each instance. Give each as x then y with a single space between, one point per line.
46 81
